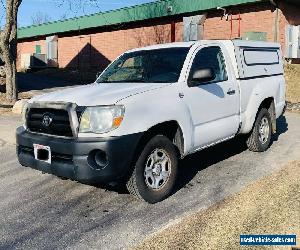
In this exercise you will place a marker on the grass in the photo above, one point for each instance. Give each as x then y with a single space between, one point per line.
269 206
5 111
292 76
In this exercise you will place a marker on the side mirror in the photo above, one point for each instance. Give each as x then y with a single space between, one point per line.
202 76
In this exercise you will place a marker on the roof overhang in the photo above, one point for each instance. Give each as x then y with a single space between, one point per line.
126 15
282 2
291 10
296 2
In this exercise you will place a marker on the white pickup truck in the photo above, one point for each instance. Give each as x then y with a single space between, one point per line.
153 106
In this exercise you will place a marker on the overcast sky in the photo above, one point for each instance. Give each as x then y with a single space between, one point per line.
56 9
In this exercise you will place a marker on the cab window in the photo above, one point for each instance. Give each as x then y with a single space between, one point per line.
210 57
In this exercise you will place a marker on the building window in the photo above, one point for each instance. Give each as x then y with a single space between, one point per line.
38 49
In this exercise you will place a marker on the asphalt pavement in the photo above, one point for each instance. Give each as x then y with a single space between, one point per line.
41 211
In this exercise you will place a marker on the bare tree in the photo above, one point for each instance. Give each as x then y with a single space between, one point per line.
162 34
8 40
63 16
76 6
40 17
157 34
8 47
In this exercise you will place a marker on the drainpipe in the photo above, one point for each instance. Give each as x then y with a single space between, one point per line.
276 25
90 52
276 21
173 31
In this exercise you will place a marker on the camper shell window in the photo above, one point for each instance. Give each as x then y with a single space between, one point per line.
254 57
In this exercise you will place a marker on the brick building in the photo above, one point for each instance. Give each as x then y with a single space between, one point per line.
96 40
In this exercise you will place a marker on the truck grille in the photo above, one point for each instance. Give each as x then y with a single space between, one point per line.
49 121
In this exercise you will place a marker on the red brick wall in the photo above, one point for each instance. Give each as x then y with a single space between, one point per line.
69 48
254 19
29 48
282 31
99 48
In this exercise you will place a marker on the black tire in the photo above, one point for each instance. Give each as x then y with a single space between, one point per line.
254 141
137 184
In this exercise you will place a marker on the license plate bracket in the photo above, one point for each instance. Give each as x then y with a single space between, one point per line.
42 153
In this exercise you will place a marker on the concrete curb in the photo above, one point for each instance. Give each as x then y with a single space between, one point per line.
18 107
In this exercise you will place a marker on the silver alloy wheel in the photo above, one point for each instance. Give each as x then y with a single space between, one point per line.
158 169
264 130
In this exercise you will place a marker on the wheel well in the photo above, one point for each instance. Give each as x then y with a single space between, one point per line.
266 103
269 104
170 129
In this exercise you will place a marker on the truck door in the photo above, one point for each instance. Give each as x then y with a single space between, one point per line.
213 104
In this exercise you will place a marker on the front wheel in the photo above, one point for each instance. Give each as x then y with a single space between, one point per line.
260 137
155 172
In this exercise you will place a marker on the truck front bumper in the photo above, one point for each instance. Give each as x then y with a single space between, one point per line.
88 160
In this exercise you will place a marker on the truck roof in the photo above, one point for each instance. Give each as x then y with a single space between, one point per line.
165 45
255 44
235 42
260 52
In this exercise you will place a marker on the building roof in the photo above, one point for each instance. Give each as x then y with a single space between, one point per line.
161 8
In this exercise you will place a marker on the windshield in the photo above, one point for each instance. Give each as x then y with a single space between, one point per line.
147 66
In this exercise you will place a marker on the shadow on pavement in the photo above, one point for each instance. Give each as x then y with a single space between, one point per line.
194 163
190 166
282 127
30 81
6 105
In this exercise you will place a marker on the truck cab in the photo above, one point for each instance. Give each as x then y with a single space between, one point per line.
152 107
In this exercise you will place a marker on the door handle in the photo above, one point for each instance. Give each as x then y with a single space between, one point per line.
231 92
181 95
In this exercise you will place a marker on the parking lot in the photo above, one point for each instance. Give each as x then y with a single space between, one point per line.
42 211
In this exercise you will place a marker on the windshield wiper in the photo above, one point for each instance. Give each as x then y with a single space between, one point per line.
163 81
134 80
124 81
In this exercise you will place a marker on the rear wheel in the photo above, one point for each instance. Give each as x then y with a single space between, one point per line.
260 137
154 175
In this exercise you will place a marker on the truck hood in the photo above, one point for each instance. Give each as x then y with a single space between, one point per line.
98 94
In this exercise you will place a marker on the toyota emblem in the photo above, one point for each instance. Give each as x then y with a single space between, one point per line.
47 120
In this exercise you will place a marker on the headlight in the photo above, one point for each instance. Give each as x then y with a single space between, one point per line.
101 119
